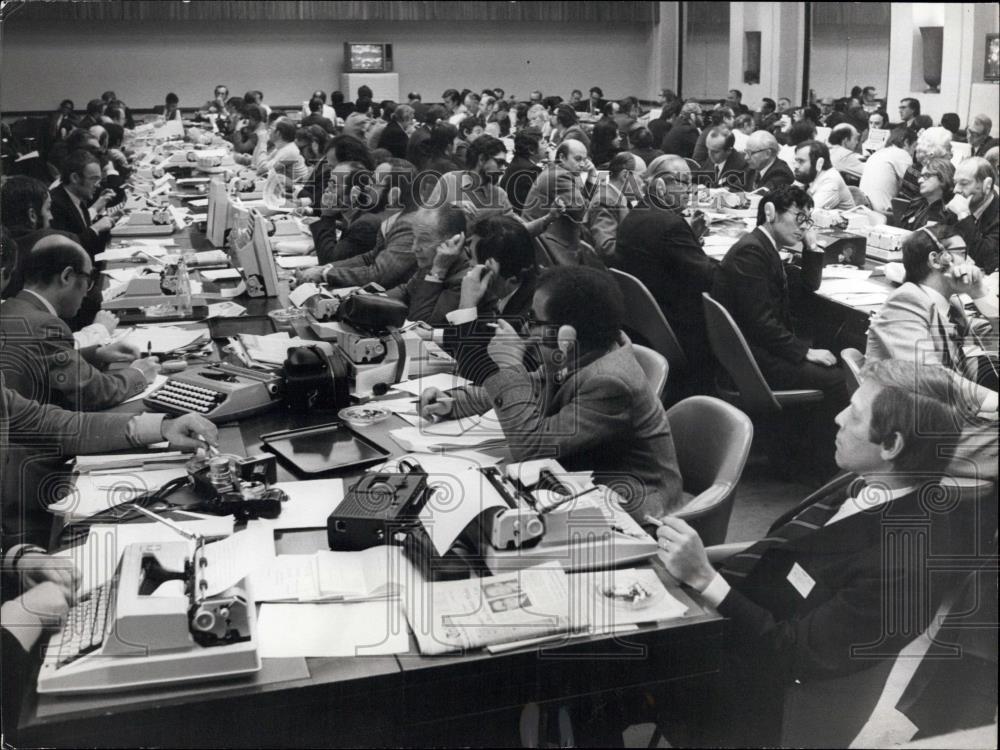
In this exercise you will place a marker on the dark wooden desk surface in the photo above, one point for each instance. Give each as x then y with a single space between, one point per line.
367 700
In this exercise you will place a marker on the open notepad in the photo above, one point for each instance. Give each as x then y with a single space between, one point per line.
474 431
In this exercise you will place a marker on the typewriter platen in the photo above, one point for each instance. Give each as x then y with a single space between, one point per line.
153 624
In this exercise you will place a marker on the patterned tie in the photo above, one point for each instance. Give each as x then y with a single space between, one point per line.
811 518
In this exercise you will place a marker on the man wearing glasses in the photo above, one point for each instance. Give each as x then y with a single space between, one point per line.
39 360
767 171
754 285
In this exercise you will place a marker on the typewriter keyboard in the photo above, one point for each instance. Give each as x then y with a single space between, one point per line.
85 626
183 396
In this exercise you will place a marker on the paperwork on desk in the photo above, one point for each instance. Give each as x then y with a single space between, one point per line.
374 573
163 339
520 608
332 629
854 292
98 557
220 274
442 381
474 431
296 261
845 272
273 348
227 309
236 557
293 246
96 492
129 253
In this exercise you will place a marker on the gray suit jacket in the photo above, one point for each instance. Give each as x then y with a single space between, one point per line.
603 417
607 209
40 361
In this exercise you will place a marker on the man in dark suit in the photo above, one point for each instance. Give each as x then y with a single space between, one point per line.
394 137
812 600
755 287
500 285
683 135
656 245
315 117
766 170
523 169
978 135
975 211
75 210
727 166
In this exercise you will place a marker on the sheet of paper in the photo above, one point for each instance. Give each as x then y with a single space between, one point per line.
332 629
294 246
302 292
164 339
194 181
98 557
285 578
123 275
110 460
217 274
308 506
158 380
232 559
227 309
211 257
845 272
198 203
273 348
198 216
296 261
118 254
154 243
442 380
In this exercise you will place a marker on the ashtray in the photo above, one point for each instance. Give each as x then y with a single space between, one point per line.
286 315
631 596
363 416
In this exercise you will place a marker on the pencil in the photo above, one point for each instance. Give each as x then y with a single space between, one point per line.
650 519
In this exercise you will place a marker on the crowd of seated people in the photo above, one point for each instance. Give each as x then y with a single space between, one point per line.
450 206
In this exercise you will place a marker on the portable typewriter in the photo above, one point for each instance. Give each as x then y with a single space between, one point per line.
219 391
152 624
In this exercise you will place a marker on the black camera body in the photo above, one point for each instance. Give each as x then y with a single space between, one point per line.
381 508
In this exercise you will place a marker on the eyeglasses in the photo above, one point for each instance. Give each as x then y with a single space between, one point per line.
804 221
91 277
532 321
748 152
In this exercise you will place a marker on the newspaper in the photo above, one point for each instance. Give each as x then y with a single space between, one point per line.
470 614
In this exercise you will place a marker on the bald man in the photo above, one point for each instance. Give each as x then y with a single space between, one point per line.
656 245
767 171
39 359
561 181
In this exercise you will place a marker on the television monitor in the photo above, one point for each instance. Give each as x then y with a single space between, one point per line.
367 57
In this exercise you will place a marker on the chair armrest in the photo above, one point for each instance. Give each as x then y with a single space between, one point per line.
719 553
791 398
705 499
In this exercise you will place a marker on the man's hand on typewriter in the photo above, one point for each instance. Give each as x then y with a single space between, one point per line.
42 606
36 568
188 430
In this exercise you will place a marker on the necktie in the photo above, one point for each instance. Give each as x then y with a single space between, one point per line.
811 518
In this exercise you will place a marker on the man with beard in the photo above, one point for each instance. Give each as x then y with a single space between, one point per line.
814 169
477 191
589 402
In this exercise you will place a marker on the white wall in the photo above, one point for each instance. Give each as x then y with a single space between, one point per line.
965 26
781 63
287 60
844 57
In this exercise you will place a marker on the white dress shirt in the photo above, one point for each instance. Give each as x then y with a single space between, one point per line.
830 192
883 174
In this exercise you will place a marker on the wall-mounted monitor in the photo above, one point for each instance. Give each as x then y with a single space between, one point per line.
367 57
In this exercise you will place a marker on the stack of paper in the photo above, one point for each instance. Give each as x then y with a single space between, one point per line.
332 629
273 348
476 431
297 261
163 339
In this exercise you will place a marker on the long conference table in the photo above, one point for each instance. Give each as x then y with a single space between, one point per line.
380 700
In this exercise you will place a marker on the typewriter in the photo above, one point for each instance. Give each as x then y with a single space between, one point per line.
153 624
218 391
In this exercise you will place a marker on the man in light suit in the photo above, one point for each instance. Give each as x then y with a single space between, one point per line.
812 600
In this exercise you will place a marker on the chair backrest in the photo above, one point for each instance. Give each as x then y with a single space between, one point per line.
654 365
543 256
644 317
733 353
854 360
712 440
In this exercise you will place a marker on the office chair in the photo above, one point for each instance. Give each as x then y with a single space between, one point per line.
655 366
752 393
644 318
712 440
854 361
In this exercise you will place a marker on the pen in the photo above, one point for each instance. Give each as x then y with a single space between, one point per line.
166 521
149 349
